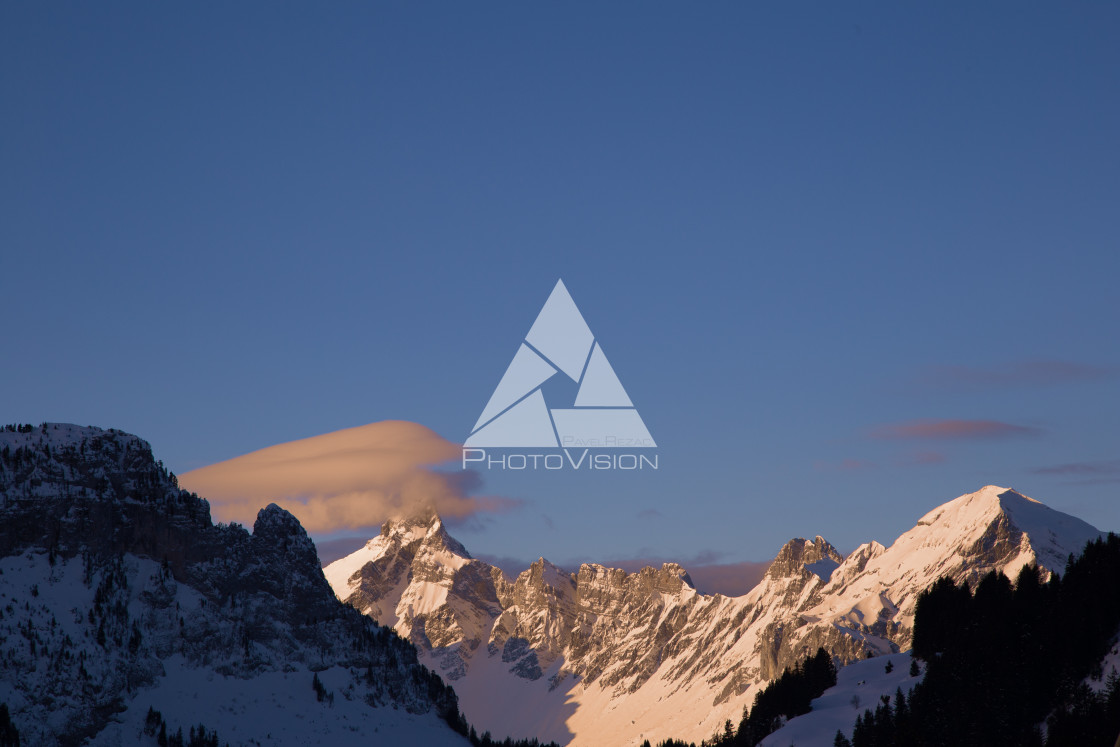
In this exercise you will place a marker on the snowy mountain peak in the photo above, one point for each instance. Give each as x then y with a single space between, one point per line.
670 578
541 572
418 521
282 530
438 537
674 570
983 502
1006 527
272 518
65 434
817 555
424 525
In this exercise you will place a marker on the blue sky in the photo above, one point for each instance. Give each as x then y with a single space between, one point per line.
797 231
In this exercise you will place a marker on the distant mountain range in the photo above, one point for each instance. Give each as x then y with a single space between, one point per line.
125 612
602 657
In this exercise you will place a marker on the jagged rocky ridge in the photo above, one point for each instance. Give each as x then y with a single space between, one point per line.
602 657
112 580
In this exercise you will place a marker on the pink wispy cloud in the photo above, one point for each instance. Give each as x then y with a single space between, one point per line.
948 430
1014 374
844 465
1110 467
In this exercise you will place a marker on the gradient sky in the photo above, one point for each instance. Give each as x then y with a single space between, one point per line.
850 261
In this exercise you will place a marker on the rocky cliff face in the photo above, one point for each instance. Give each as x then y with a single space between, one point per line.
112 578
604 657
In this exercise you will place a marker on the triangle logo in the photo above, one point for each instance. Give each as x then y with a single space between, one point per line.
559 343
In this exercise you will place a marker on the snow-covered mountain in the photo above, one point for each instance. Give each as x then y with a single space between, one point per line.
118 595
876 588
602 657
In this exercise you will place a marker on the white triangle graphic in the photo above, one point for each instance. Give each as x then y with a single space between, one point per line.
516 414
526 372
560 334
525 424
600 387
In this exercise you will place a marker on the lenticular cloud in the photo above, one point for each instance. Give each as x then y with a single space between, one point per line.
351 478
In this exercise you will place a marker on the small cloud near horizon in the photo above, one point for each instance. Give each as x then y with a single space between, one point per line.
844 465
1015 373
354 478
917 459
951 430
332 550
729 579
921 459
1094 472
510 566
708 575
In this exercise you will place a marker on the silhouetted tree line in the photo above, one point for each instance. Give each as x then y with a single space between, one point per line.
487 741
1003 659
781 700
198 736
9 735
321 693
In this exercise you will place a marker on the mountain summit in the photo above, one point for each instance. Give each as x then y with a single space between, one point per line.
995 528
601 656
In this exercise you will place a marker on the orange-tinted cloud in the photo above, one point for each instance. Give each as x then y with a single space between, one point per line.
951 429
348 479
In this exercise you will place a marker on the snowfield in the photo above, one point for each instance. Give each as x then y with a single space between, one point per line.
275 708
272 708
859 686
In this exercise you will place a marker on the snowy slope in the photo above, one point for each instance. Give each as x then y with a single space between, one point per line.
859 686
276 707
602 657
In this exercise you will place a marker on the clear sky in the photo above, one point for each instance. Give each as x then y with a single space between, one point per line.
850 261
